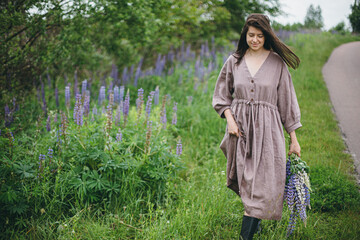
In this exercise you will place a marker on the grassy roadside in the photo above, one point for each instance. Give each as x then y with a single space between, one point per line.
207 210
201 207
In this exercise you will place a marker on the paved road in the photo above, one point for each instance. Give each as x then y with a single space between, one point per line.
342 76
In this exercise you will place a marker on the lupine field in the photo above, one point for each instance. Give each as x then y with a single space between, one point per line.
134 155
107 129
99 142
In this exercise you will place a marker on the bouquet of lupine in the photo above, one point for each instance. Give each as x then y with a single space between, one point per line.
297 190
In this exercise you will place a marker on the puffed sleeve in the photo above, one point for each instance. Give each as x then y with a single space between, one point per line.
224 89
287 102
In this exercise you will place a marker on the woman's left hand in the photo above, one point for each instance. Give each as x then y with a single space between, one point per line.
294 148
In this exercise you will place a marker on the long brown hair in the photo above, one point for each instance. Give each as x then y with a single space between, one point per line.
272 42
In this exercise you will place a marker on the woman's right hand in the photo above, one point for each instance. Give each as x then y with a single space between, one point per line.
232 126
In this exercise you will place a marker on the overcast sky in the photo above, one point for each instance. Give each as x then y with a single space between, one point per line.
333 11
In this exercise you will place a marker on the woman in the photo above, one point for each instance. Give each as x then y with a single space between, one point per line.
254 92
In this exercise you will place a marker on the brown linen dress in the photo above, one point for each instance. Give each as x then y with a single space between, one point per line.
261 105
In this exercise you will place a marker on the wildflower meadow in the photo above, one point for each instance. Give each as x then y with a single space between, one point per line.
133 153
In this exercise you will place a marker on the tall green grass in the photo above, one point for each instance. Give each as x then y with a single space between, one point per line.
208 210
199 205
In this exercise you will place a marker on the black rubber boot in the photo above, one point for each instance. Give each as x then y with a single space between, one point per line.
248 228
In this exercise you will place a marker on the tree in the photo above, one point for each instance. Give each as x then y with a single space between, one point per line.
239 10
339 28
354 16
313 18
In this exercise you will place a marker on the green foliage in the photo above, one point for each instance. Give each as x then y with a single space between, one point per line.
339 28
65 37
240 9
89 167
354 16
289 27
313 18
332 191
82 200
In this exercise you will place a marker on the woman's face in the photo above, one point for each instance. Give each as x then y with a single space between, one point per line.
255 38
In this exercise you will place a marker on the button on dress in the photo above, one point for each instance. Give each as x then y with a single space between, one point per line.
261 105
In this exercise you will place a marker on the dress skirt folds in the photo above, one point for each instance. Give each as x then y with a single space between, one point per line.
261 105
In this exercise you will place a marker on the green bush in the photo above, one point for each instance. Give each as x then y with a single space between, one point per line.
87 165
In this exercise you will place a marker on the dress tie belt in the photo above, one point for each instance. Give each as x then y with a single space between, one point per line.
251 128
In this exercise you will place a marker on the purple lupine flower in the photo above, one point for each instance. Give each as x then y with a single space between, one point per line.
121 94
119 136
126 105
41 158
179 148
76 108
174 119
163 119
50 154
67 96
78 111
158 65
57 97
118 114
292 223
8 116
140 98
83 87
48 122
296 193
87 103
101 95
116 94
148 103
188 50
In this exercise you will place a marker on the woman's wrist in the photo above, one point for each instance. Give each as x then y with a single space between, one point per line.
228 115
293 138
